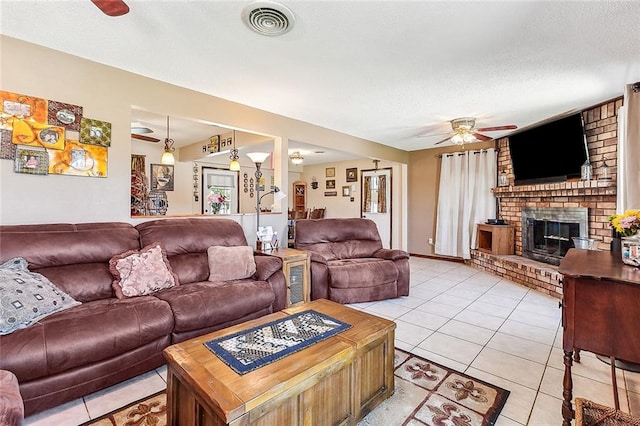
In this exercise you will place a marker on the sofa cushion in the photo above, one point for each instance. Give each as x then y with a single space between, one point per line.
141 272
230 263
186 242
84 335
204 304
75 257
27 297
367 272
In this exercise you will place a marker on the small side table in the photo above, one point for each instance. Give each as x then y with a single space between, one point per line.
296 267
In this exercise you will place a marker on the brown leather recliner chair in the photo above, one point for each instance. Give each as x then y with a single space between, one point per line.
348 263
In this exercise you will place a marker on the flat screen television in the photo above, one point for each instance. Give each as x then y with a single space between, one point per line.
551 152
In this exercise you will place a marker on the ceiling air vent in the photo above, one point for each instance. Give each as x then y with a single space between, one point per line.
268 18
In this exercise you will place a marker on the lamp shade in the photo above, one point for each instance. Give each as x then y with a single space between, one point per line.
167 158
234 165
258 157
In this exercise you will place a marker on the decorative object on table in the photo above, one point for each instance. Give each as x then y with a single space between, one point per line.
247 350
330 172
157 203
216 201
631 250
585 243
95 132
627 225
31 161
258 158
352 174
330 184
162 177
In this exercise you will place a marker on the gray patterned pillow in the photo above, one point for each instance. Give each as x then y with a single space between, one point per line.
27 297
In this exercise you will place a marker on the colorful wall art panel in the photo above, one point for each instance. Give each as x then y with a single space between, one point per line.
79 159
95 132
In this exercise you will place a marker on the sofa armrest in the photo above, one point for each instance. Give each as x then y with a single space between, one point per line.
267 266
317 258
391 254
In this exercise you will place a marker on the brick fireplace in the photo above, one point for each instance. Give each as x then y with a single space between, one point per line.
597 196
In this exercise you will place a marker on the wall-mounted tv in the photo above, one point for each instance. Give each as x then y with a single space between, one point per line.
551 152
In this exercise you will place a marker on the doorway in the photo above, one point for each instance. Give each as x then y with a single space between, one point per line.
376 201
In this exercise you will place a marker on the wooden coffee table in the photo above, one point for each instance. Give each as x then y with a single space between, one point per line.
336 381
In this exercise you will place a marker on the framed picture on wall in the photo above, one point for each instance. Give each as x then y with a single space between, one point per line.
330 172
352 174
331 184
162 177
346 191
330 193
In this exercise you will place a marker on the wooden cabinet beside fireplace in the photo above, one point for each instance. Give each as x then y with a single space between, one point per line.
496 239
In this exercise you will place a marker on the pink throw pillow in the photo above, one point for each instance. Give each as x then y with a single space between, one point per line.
141 272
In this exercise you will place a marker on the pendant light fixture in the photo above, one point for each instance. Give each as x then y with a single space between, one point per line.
296 158
234 165
167 155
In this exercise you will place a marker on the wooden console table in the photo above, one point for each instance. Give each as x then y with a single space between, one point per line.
600 308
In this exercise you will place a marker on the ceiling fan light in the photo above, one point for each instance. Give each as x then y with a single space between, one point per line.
468 138
458 139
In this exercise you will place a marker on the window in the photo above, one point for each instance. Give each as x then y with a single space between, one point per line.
224 183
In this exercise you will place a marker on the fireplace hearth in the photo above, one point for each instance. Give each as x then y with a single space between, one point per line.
547 232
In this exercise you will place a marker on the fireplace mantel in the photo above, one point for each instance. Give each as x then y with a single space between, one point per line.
560 189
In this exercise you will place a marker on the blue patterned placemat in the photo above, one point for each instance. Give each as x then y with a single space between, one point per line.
250 349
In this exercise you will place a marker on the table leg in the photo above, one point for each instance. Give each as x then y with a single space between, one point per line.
614 381
567 410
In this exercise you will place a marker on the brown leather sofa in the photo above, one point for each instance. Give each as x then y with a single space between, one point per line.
106 340
348 263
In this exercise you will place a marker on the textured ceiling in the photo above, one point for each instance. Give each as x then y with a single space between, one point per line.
386 71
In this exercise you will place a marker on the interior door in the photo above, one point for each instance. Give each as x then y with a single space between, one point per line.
376 197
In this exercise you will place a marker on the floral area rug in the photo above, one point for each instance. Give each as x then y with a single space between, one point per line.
426 393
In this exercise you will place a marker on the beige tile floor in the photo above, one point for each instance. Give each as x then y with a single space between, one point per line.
490 328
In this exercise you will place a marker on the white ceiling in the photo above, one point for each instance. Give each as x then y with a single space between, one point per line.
386 71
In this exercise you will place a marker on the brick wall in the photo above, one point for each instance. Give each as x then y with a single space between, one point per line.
599 196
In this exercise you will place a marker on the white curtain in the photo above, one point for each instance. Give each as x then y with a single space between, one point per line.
628 173
464 200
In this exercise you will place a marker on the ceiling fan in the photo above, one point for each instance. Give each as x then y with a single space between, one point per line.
138 130
464 131
112 7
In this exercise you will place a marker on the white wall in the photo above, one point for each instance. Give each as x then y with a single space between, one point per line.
108 94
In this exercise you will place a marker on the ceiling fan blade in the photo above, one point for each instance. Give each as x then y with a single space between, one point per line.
112 7
144 138
496 128
443 140
481 137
